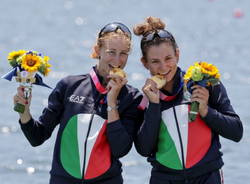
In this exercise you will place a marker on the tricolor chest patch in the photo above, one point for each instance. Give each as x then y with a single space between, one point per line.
85 147
177 133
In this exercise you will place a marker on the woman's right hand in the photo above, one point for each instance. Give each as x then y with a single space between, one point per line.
19 98
151 91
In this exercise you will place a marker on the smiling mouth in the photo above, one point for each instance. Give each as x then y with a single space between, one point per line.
165 74
111 66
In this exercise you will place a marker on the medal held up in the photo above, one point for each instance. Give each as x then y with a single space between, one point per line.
26 66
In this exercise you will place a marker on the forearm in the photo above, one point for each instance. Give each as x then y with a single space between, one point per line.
221 117
147 135
34 132
25 117
38 131
113 114
227 125
119 139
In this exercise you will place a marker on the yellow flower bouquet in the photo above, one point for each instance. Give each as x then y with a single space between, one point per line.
26 66
30 61
203 74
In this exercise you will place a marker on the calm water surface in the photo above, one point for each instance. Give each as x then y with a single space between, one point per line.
65 30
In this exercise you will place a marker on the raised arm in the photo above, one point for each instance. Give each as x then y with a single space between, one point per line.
37 131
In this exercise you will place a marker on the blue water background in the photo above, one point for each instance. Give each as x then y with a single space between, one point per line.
66 30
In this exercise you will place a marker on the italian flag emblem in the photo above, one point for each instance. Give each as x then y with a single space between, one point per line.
191 141
94 157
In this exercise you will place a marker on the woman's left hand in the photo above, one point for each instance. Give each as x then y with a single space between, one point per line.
201 95
114 87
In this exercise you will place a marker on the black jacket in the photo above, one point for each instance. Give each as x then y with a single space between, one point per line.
178 149
83 147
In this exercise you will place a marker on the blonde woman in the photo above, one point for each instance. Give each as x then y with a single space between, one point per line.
95 113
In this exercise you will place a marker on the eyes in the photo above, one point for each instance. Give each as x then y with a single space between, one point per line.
168 59
113 53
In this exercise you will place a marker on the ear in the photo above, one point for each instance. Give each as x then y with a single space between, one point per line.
144 62
177 53
97 50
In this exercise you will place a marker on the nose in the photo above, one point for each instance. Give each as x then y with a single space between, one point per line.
163 67
117 61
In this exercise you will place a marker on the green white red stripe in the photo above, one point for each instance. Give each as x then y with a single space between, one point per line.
72 147
196 139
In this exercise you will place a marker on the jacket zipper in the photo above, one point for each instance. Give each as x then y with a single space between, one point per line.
180 138
85 144
181 143
88 132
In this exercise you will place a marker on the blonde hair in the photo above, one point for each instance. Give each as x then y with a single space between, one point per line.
101 40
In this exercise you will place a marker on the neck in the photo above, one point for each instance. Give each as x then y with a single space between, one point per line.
169 86
102 78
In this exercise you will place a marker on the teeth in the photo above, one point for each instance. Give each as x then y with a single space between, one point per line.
113 66
165 73
168 72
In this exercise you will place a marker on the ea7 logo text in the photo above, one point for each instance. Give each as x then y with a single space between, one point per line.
76 99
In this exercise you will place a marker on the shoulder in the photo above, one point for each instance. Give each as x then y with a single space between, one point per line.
131 91
218 94
72 80
218 88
